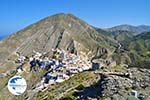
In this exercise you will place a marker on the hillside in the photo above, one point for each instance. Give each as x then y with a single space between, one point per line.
134 46
135 49
82 62
140 48
62 30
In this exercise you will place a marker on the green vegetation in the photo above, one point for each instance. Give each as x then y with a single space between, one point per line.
131 98
139 45
69 97
114 98
103 98
68 86
137 50
80 87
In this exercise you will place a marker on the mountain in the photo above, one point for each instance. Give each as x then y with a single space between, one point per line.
61 30
118 35
121 36
135 29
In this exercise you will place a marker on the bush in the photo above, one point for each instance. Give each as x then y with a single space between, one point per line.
102 98
114 98
131 98
69 97
80 87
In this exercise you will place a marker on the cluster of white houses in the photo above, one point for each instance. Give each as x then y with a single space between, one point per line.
60 67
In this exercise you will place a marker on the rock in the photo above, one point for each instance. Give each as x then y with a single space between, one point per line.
142 96
121 86
114 85
3 75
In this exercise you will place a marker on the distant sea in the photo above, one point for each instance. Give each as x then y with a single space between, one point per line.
3 36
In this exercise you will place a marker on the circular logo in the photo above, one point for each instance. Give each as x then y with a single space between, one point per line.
17 85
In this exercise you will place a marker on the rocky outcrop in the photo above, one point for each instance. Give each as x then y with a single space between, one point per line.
121 86
115 85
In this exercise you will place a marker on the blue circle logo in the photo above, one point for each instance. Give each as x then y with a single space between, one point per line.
17 85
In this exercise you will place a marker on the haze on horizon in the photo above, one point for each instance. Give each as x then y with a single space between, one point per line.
17 14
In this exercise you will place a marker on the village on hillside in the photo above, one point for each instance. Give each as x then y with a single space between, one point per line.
60 67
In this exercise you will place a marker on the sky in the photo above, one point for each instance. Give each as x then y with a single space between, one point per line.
17 14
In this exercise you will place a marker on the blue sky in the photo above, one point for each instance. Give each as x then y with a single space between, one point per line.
17 14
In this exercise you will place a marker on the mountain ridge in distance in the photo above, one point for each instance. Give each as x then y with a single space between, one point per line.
136 29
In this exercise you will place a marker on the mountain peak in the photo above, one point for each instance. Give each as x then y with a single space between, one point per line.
62 15
61 30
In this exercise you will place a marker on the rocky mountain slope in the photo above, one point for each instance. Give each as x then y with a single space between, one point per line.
62 30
